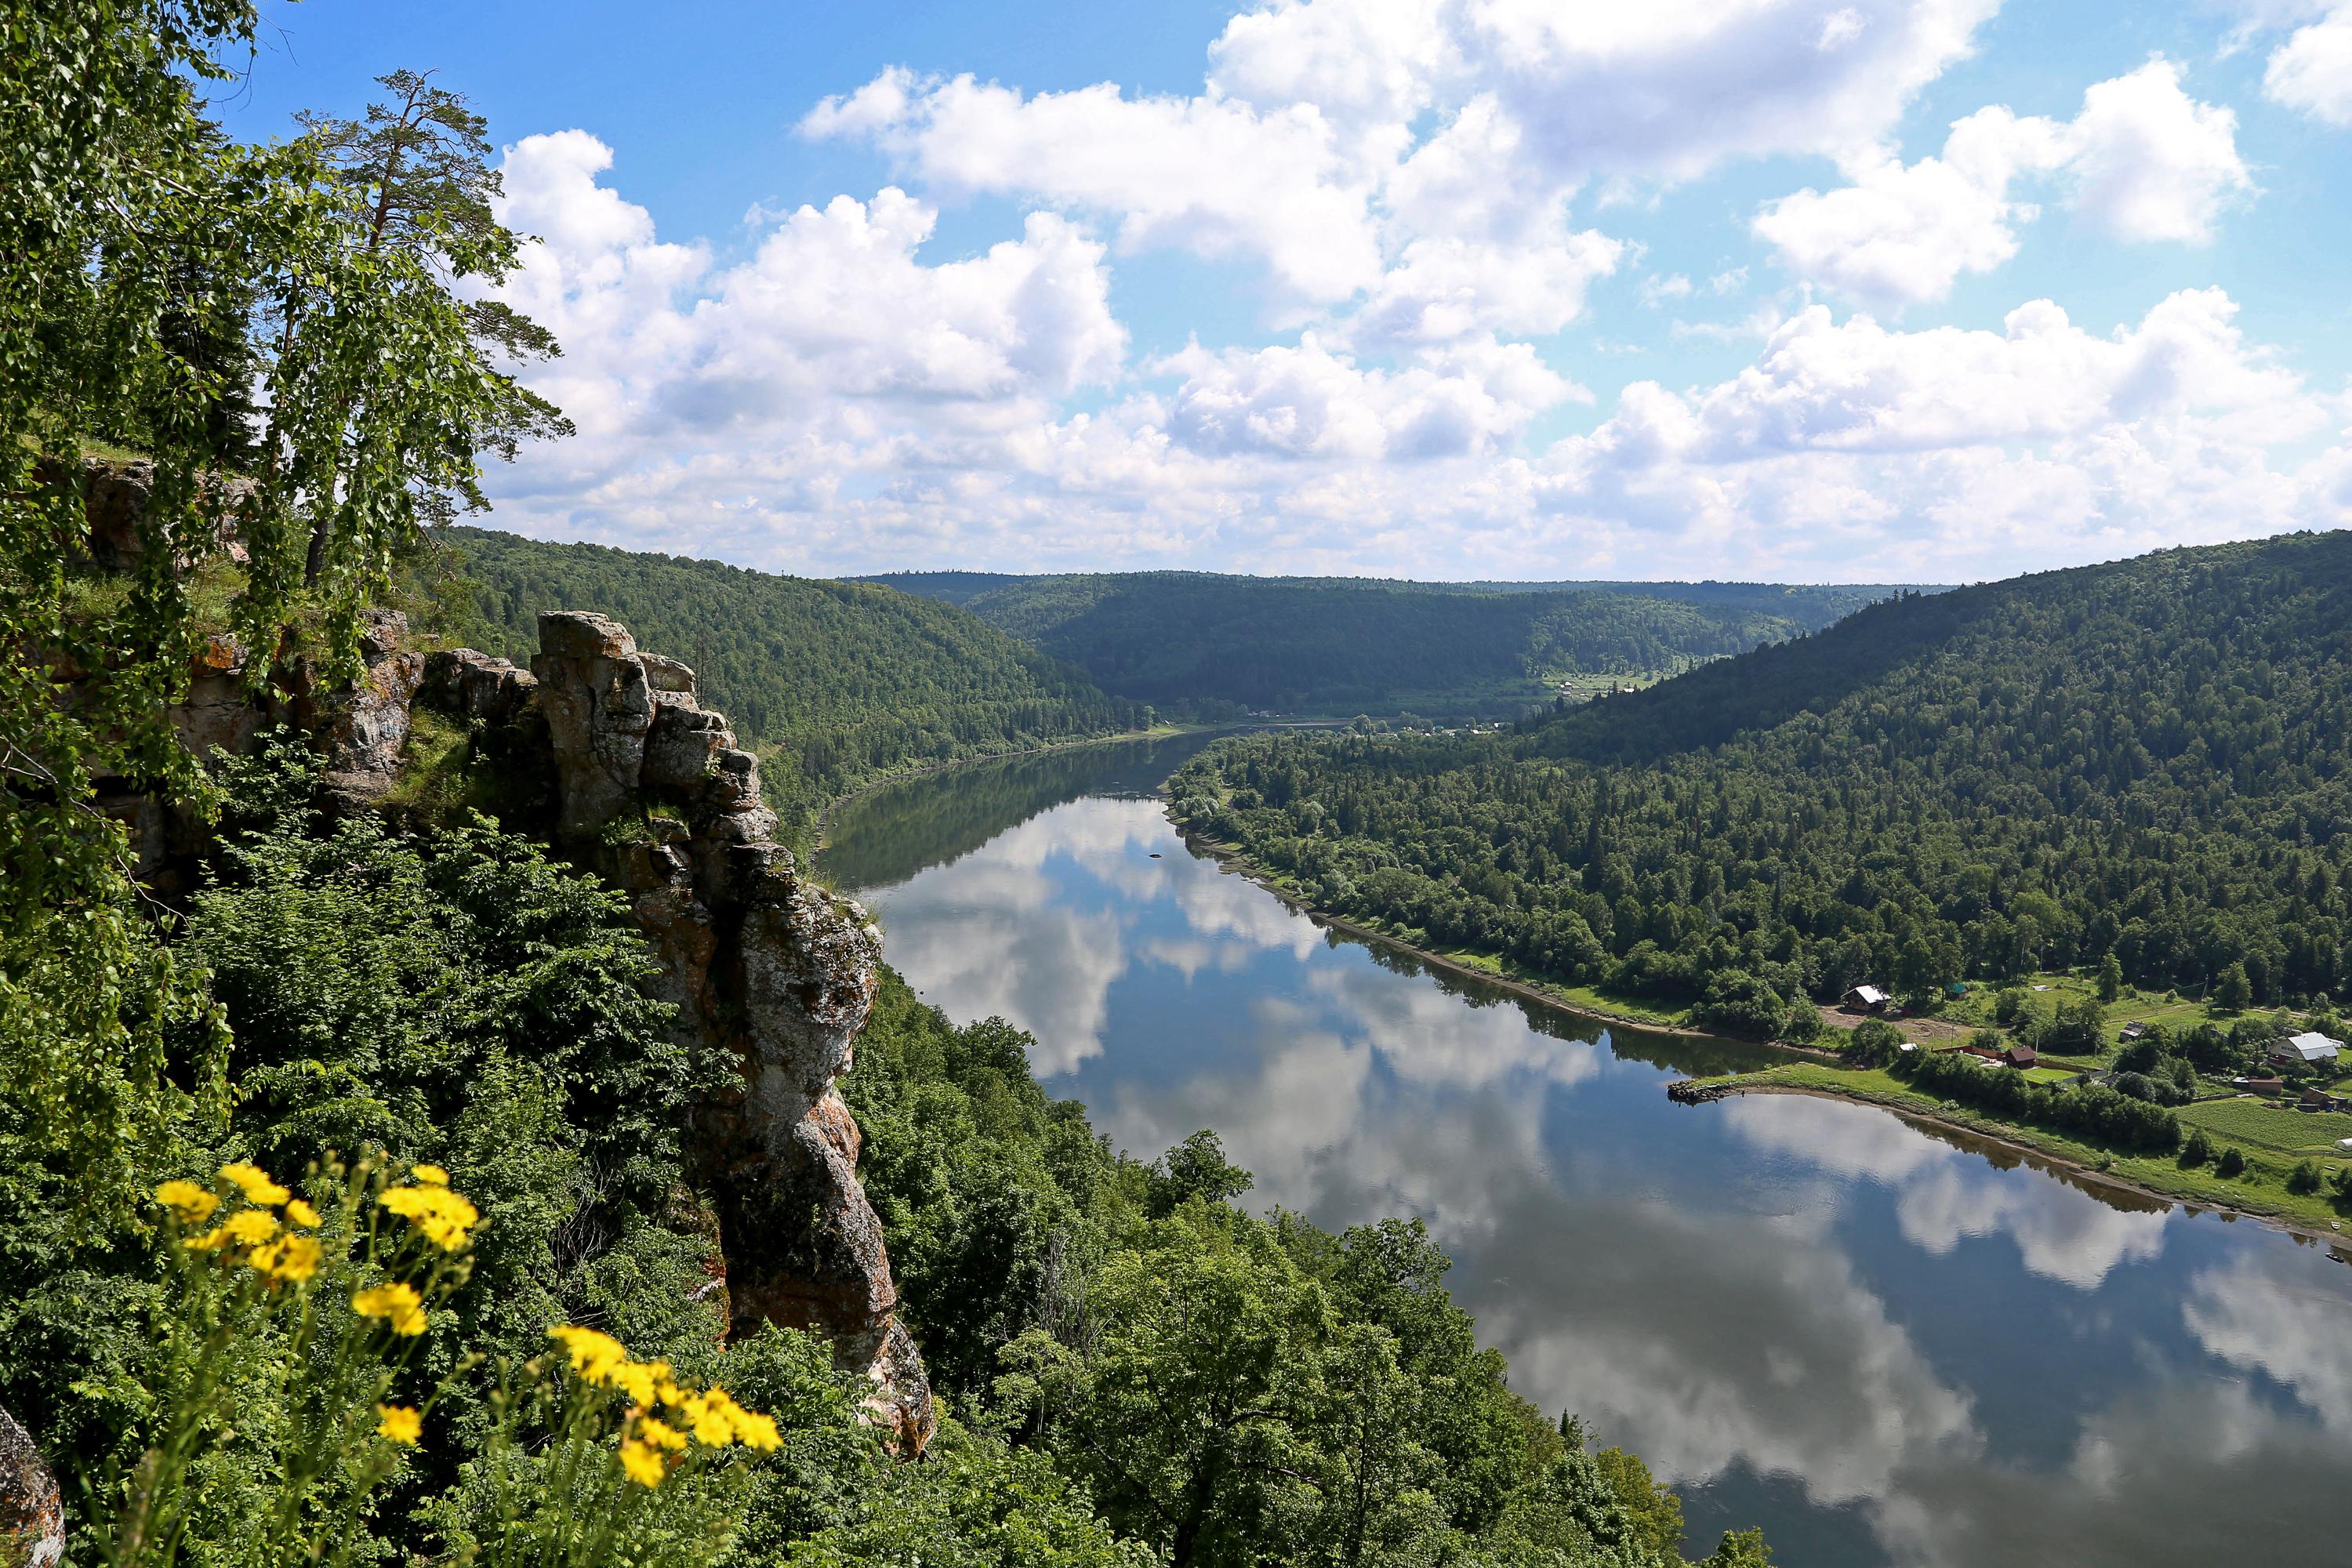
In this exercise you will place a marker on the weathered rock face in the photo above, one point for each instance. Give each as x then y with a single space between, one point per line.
361 728
116 496
759 959
32 1515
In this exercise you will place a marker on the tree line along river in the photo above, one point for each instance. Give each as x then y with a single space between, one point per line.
1887 1345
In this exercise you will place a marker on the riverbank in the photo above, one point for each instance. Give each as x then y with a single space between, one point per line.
2259 1195
1233 857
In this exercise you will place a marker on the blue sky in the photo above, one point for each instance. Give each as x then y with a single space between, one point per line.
1433 287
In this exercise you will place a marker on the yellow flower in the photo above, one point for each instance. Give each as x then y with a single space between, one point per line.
660 1433
397 1304
254 1183
400 1423
443 1216
640 1379
288 1258
594 1356
754 1430
300 1211
187 1200
644 1465
431 1175
721 1420
246 1228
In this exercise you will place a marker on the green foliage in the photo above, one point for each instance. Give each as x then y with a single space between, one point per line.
1656 1513
835 683
976 1503
1339 644
1873 1043
2139 760
2092 1112
2233 993
150 269
2111 978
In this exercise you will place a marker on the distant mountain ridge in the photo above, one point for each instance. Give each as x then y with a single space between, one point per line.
2151 758
1332 644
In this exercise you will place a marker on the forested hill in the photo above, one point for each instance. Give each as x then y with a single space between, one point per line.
1336 644
2151 758
835 683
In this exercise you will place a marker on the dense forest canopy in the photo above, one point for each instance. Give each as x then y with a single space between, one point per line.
2149 759
1337 644
833 682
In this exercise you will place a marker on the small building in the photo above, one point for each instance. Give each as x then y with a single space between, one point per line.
1866 999
2135 1029
2305 1050
2320 1099
2260 1084
2019 1055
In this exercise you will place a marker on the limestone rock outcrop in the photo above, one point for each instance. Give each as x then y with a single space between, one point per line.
760 961
32 1514
117 494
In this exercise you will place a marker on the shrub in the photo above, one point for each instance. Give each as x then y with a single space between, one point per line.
2198 1149
2232 1163
2303 1180
1873 1043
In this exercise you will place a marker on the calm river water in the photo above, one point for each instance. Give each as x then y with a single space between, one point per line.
1883 1345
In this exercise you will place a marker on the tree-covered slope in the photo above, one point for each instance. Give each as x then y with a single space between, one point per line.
2151 758
1309 644
835 683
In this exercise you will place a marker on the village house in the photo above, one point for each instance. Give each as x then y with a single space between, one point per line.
2304 1051
1866 999
2134 1030
2020 1055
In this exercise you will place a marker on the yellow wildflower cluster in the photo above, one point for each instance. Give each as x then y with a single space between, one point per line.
444 1217
711 1415
280 1257
399 1424
254 1183
193 1203
399 1305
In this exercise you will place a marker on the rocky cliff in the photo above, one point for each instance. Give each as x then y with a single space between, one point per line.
648 788
652 790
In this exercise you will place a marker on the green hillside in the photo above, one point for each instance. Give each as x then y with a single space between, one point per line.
2149 759
835 683
1342 644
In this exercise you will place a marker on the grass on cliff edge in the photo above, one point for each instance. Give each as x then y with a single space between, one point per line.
2262 1189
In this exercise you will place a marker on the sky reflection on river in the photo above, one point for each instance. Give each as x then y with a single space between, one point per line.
1881 1345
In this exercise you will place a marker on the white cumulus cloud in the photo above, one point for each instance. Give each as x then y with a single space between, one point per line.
2143 160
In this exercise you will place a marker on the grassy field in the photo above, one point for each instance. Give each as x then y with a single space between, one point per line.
2269 1125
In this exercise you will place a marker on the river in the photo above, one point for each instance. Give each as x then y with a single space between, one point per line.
1885 1345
